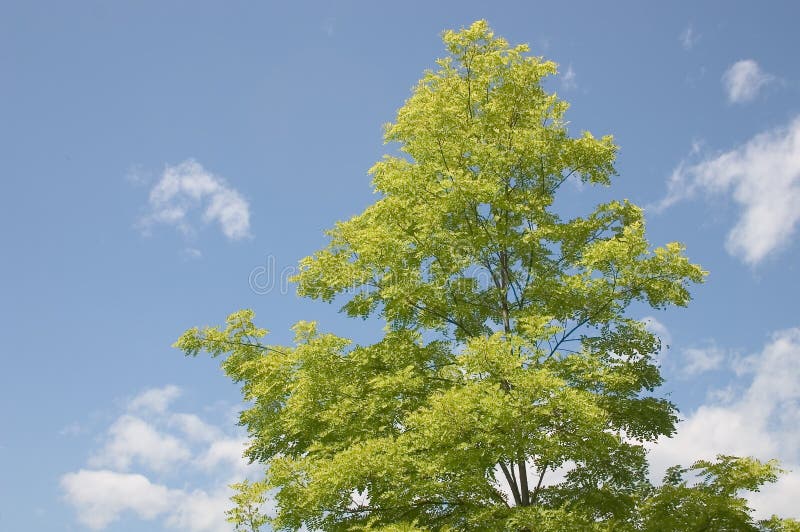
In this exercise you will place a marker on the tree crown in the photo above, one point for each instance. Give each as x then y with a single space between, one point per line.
511 388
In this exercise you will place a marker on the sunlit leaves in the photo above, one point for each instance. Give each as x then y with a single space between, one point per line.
508 352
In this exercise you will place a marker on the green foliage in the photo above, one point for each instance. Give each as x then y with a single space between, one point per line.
507 353
714 502
246 514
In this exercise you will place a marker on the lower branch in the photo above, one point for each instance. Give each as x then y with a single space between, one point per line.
523 481
512 483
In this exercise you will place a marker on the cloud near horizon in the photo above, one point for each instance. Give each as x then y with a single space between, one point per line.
761 419
148 447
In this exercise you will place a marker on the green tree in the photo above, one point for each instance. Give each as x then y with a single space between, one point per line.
508 351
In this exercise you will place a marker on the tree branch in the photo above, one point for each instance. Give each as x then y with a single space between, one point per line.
512 483
523 481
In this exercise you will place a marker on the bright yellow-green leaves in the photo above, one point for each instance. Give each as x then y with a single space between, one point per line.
714 501
464 218
507 354
247 514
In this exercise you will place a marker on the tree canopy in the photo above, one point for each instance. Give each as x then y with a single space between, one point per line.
512 389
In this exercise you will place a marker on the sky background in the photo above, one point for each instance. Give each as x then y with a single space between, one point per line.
164 163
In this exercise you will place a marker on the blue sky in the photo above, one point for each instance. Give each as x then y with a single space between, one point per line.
158 157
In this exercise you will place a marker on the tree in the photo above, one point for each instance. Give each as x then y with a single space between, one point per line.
511 389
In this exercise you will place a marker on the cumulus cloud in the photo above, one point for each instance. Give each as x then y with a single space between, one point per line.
155 399
133 440
225 452
200 511
762 420
101 496
762 177
188 187
195 428
144 448
744 80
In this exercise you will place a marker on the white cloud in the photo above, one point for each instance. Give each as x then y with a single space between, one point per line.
763 177
155 399
199 511
133 440
779 499
147 445
763 421
568 80
225 452
187 187
194 428
100 497
688 38
701 359
743 81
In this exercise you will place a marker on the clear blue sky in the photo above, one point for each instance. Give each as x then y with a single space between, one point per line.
264 118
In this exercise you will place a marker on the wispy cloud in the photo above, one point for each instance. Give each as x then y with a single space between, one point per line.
693 360
688 38
543 43
569 79
329 26
146 446
187 188
762 420
763 177
698 360
191 253
744 80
